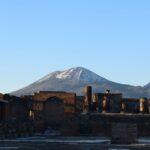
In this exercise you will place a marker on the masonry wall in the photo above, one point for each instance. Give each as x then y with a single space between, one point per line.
132 105
1 96
53 112
69 99
4 111
124 133
113 102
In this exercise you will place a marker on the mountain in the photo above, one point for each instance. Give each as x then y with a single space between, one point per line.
147 88
74 79
147 85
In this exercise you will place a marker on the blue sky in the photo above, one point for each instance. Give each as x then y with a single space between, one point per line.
109 37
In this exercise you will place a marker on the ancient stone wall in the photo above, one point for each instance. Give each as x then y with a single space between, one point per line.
69 99
113 102
53 112
1 96
70 126
4 110
133 105
79 104
124 133
93 127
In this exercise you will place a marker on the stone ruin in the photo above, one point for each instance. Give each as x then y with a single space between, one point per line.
71 115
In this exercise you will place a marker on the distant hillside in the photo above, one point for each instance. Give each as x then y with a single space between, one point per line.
147 88
74 79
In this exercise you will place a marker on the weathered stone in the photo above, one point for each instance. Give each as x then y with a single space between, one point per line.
124 133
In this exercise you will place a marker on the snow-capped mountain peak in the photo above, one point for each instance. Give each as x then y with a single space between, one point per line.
68 74
75 74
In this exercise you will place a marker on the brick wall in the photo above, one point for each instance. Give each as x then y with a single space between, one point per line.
113 102
69 99
124 133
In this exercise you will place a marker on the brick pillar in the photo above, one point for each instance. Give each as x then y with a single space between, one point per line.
95 102
123 107
88 96
142 109
104 104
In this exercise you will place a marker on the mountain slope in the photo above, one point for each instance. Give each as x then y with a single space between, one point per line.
147 88
74 79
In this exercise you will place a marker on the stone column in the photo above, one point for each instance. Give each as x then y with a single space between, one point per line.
95 101
88 96
104 104
123 107
142 109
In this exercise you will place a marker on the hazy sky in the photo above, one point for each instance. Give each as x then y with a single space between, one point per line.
109 37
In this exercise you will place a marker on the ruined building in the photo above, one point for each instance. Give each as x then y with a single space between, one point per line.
70 114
